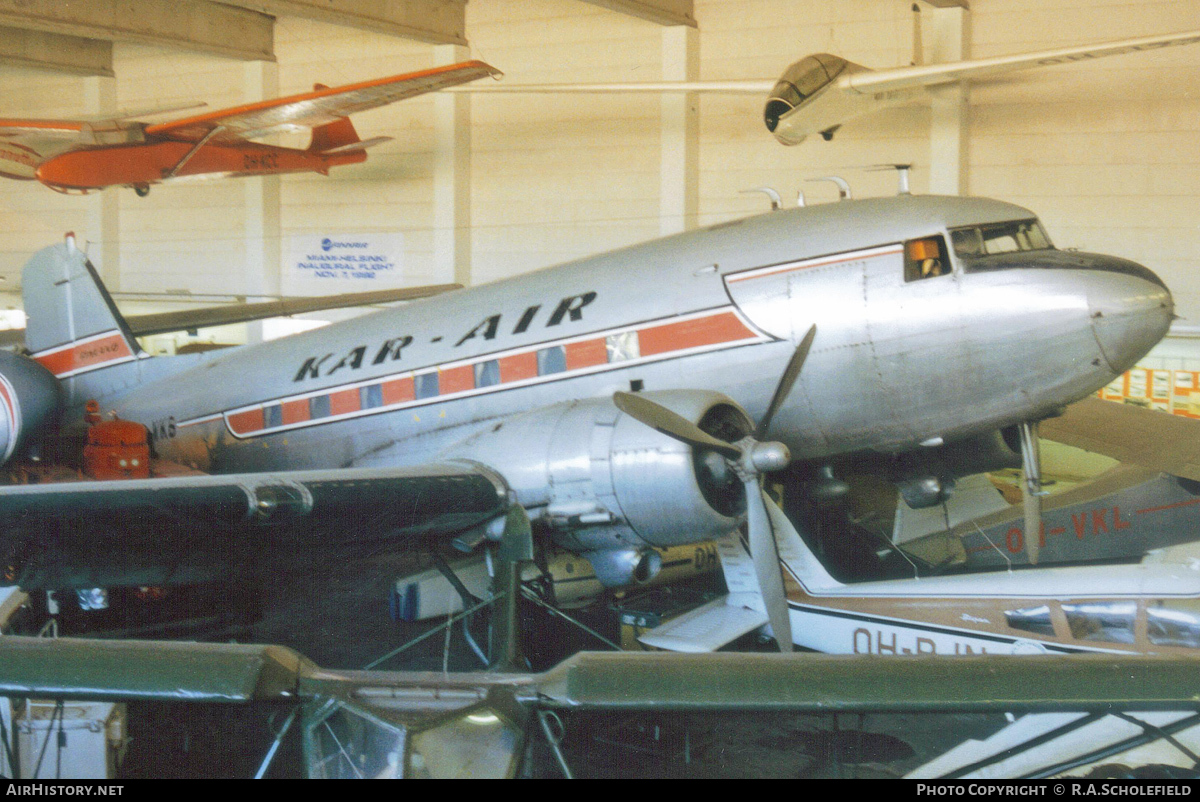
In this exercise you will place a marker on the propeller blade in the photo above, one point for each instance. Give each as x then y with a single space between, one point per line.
786 381
661 419
765 553
1031 470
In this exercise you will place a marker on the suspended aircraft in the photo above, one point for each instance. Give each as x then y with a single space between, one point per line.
77 156
820 92
624 402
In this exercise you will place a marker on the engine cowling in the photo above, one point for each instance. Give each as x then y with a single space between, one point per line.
30 400
601 480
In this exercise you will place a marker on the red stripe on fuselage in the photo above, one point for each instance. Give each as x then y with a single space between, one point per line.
649 341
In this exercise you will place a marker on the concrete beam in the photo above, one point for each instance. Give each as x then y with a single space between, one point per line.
189 24
438 22
52 51
662 12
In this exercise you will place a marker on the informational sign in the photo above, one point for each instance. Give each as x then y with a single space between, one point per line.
332 264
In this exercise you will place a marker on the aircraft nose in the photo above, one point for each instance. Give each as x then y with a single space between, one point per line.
1131 309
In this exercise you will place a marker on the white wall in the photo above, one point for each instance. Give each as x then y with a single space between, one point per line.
1107 152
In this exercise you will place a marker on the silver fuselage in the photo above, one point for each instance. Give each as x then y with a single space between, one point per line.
895 364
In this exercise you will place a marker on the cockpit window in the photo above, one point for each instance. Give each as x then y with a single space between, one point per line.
801 80
971 242
925 258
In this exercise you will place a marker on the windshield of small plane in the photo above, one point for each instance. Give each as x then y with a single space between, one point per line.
801 81
972 242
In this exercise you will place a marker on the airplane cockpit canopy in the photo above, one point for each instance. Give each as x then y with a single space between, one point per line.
973 242
801 81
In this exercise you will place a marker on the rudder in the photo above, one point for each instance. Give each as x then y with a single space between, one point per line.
74 329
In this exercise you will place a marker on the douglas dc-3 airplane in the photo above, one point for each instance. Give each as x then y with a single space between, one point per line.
923 325
75 156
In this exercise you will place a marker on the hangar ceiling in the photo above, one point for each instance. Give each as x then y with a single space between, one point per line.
77 37
504 185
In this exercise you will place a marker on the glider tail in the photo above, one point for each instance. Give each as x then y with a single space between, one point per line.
335 136
74 329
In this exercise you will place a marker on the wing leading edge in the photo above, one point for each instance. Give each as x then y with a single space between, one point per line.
322 106
179 530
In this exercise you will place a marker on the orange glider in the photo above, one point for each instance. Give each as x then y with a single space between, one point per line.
77 156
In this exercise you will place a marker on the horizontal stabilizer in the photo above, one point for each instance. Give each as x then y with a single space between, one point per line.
706 628
353 146
163 322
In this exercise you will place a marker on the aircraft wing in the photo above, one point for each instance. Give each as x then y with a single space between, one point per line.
648 87
1145 437
321 106
162 322
869 82
46 129
185 529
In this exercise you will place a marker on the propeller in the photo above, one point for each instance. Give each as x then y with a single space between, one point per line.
749 457
1031 496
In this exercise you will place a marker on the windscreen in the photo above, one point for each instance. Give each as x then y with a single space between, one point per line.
971 242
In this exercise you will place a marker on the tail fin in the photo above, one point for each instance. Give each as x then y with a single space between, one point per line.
333 136
74 329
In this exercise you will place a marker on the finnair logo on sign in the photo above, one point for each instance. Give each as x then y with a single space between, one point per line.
326 265
328 244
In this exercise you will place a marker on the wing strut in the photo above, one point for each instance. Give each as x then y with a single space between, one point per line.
187 157
516 547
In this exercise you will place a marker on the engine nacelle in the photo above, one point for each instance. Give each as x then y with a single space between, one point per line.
601 480
30 400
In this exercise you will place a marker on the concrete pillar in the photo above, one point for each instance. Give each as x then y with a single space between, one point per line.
679 193
103 219
950 112
262 232
452 175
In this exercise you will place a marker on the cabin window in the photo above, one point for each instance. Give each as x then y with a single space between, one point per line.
318 406
1031 619
972 242
1174 623
272 416
370 396
551 360
425 385
622 346
1111 622
487 373
925 258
